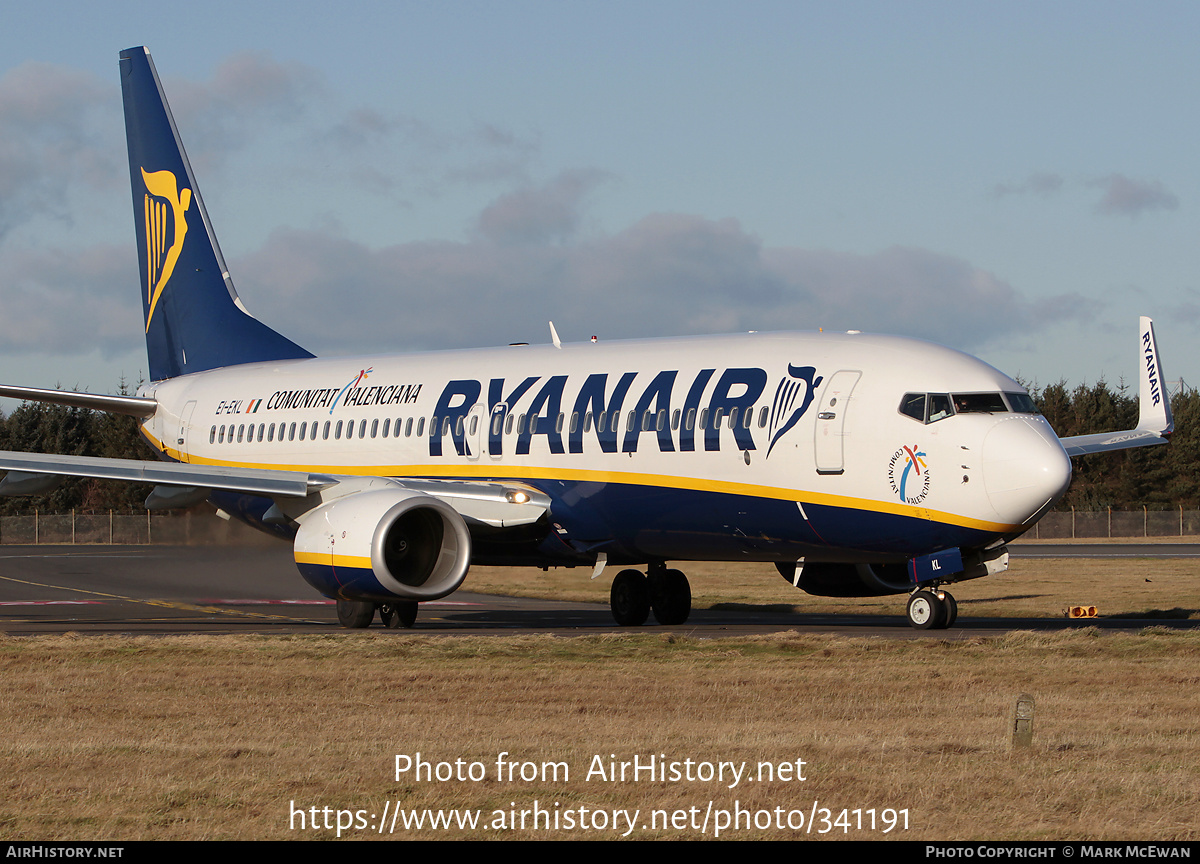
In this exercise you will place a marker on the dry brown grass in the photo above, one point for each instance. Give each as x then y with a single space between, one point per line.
1032 588
212 737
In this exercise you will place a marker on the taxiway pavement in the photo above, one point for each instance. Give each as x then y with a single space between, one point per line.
210 589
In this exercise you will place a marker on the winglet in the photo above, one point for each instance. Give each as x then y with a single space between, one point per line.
1154 406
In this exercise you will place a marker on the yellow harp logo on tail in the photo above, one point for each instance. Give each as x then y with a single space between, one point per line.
166 226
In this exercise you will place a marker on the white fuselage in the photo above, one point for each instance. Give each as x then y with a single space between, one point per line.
788 443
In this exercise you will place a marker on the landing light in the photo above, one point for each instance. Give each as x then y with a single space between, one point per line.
516 496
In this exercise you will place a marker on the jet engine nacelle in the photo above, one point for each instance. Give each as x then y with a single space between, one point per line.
382 545
828 579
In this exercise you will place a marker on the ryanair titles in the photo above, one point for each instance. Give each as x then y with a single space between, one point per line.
332 397
615 411
1152 370
605 409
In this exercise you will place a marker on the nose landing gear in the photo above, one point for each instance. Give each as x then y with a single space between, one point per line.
932 609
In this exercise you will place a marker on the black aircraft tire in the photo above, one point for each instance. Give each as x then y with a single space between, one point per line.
355 614
629 599
951 610
402 613
925 610
670 597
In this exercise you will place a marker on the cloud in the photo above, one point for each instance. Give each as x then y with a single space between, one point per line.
53 141
1123 196
539 214
248 93
526 261
664 275
912 292
667 274
1038 183
70 303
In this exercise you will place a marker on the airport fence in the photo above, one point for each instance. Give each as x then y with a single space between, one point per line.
1074 524
193 528
132 529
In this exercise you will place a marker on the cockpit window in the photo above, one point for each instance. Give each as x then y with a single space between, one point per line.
979 403
1021 403
939 407
932 407
913 405
926 407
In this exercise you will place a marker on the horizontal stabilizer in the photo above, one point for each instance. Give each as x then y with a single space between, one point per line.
135 406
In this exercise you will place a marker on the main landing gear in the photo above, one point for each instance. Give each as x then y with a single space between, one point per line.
932 609
357 614
667 592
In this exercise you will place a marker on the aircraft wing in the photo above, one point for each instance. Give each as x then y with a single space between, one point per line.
255 481
498 505
1081 445
1155 422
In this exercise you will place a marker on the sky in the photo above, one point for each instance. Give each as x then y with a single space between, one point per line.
1017 180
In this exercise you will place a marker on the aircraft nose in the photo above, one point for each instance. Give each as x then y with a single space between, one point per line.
1024 468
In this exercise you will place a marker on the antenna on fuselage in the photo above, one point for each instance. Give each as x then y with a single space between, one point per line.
554 336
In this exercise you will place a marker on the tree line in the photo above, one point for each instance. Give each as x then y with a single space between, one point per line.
1159 477
36 427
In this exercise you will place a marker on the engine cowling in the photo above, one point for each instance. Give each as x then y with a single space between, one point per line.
829 579
383 544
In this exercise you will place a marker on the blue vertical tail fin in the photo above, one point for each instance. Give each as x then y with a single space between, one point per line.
194 319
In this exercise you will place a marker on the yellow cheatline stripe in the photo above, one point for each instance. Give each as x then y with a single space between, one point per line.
582 475
324 559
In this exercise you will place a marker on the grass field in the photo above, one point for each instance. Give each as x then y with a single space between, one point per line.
123 738
1032 588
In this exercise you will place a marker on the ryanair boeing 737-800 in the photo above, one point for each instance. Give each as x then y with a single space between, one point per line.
859 464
